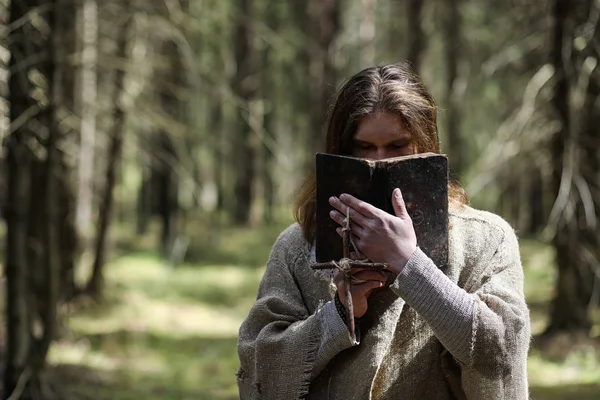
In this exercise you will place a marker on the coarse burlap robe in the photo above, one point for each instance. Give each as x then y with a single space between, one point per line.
458 333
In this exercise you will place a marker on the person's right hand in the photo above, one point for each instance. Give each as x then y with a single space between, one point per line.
362 283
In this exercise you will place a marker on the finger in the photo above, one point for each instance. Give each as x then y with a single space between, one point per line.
357 255
362 207
356 270
355 215
399 205
354 242
368 292
357 229
370 275
358 281
338 278
362 288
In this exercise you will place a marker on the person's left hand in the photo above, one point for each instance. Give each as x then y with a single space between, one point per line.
380 236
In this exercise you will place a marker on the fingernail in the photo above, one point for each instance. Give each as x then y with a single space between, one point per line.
332 200
332 214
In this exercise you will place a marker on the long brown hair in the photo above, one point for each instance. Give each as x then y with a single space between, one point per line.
390 88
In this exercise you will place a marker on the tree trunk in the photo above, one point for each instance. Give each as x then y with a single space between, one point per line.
396 32
245 86
452 56
324 25
569 307
30 49
367 34
64 90
415 34
216 127
144 204
96 282
4 33
166 180
268 171
167 158
18 167
87 90
536 201
589 142
51 270
268 93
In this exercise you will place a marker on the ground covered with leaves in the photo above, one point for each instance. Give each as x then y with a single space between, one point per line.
168 333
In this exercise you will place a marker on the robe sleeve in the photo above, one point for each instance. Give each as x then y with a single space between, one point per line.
487 329
282 347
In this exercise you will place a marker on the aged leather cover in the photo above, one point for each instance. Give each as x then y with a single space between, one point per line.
422 178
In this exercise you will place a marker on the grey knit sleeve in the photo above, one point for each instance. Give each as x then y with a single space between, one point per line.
486 329
446 307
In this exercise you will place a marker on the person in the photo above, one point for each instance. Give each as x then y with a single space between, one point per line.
425 333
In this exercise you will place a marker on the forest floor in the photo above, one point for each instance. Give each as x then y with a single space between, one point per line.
166 334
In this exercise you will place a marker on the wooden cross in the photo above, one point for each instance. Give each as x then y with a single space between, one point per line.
346 265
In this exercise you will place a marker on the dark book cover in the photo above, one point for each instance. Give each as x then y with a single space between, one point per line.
422 178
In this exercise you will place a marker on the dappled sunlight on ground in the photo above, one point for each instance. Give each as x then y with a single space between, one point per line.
167 334
579 391
581 368
550 377
162 332
146 296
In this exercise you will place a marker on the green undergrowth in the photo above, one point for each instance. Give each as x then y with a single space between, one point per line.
578 375
161 333
170 333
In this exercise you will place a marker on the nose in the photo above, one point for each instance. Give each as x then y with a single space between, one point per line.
381 153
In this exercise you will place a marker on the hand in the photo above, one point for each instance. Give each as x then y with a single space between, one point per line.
380 236
362 283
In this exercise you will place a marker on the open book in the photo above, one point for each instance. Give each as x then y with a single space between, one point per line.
422 178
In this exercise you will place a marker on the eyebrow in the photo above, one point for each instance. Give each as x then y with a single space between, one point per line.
401 139
404 138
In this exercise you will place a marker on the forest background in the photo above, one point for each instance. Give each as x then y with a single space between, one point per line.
151 151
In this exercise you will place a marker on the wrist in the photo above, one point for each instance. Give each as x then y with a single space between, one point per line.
399 265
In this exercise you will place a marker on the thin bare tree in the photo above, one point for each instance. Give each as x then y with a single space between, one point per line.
88 17
245 86
95 284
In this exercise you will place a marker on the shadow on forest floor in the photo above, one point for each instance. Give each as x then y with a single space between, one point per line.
566 392
170 334
162 333
184 368
571 372
210 243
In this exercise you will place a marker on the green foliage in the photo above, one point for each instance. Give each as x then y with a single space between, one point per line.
162 333
540 273
576 376
169 334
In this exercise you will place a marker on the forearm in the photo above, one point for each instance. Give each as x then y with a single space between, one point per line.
446 307
333 339
486 331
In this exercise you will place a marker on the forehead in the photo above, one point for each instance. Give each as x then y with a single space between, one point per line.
381 126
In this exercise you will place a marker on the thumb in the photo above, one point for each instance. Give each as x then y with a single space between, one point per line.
399 206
